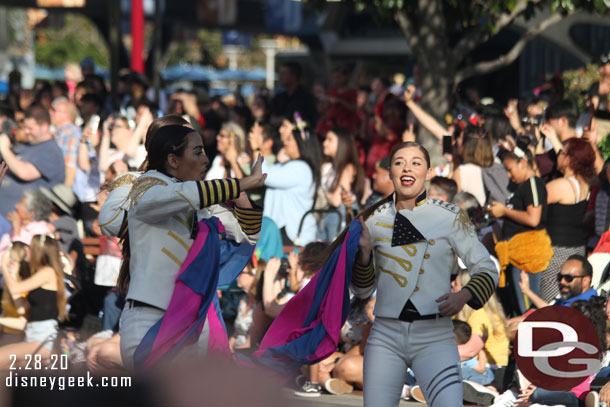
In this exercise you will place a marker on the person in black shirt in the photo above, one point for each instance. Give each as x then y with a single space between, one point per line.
525 210
294 97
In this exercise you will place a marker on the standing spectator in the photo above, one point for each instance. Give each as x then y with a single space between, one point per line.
67 135
525 211
386 132
293 98
37 164
568 198
342 104
476 153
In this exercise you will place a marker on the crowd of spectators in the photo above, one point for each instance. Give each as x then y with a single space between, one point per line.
529 173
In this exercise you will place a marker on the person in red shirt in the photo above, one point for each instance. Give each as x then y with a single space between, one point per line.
342 104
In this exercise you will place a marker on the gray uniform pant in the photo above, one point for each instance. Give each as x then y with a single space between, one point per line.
135 323
428 347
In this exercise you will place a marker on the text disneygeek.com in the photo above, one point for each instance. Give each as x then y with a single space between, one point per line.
16 380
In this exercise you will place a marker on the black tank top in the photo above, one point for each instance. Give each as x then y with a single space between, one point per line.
43 305
564 224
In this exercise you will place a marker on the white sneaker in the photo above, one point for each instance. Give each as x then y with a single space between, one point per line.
477 393
506 399
406 392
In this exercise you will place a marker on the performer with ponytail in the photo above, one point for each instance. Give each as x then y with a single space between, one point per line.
406 249
161 209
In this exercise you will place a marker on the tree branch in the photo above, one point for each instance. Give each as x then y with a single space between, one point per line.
480 35
504 60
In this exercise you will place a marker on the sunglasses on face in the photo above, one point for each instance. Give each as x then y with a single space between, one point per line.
568 277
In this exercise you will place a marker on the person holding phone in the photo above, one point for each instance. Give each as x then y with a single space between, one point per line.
476 153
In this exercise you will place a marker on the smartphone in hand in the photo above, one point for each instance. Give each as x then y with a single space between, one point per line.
447 144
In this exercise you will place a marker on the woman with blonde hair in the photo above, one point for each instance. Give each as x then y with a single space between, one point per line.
488 324
13 318
47 298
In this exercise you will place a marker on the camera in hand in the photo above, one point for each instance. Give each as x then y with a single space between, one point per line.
480 217
534 121
284 267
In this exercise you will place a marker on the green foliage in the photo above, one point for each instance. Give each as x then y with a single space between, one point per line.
77 39
604 147
577 81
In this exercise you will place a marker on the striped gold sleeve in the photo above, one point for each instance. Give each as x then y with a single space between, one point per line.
482 287
217 191
249 219
363 276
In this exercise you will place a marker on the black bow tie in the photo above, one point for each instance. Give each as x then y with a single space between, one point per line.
404 232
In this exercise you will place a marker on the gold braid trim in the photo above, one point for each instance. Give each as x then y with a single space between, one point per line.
140 187
120 181
463 223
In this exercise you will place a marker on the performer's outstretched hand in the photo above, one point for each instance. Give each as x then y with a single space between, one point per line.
256 178
453 302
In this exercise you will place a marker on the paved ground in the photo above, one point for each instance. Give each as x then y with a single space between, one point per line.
354 399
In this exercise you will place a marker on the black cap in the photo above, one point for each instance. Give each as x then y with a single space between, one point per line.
384 163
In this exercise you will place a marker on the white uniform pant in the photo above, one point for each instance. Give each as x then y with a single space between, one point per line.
135 323
428 347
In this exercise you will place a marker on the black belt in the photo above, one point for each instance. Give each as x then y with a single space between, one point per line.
136 303
410 314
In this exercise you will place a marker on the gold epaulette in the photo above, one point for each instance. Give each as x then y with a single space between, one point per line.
126 179
140 186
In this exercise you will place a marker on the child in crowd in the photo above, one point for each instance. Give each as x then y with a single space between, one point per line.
474 369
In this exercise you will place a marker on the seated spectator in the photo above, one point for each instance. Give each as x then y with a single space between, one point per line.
263 140
68 136
475 368
38 163
46 295
442 188
104 354
573 280
489 332
232 161
63 224
13 319
574 397
382 184
342 173
248 280
281 281
30 218
343 370
292 183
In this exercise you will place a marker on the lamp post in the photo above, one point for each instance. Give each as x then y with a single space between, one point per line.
270 47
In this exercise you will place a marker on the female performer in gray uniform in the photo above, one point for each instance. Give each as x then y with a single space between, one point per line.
406 250
164 204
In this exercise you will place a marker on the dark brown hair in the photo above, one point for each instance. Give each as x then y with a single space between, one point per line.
347 154
157 124
367 212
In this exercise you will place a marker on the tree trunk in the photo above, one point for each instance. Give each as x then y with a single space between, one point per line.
436 87
425 32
